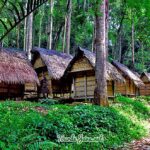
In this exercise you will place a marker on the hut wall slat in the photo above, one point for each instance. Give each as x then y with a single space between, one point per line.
145 79
11 90
145 90
81 65
30 87
80 86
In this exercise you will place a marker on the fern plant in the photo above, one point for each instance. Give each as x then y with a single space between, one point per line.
18 13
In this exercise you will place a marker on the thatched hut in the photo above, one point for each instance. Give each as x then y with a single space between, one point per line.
82 71
52 65
17 77
133 82
145 89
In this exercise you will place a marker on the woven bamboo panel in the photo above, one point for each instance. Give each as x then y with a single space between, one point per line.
145 90
145 79
81 65
91 83
89 78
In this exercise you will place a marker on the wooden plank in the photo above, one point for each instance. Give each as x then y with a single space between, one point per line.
79 79
80 83
81 64
90 78
85 85
74 86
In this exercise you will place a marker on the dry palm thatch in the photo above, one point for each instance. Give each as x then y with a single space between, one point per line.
146 74
15 68
128 73
112 73
55 62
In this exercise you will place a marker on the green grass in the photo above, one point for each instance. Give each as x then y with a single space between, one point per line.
26 125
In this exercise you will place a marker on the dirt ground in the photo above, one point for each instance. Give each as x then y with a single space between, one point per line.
143 144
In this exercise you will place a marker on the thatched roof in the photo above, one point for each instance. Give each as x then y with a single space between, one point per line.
112 72
127 72
146 74
15 68
55 62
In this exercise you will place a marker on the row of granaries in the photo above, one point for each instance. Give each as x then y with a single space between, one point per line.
67 76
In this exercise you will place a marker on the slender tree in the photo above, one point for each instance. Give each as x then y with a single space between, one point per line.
29 35
50 26
25 27
101 18
132 41
67 28
18 36
40 25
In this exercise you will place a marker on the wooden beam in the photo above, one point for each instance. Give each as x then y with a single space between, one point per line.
126 86
50 87
74 87
85 86
113 87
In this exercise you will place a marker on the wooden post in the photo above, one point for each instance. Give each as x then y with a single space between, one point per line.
74 87
126 87
85 86
113 88
50 88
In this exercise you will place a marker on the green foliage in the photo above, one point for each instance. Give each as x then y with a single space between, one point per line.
137 107
24 127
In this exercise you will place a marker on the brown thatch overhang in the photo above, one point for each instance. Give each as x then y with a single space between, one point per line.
127 72
15 68
56 62
112 72
145 74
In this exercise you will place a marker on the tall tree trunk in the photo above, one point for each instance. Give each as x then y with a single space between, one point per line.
29 35
142 48
94 36
118 43
50 26
57 35
64 37
40 26
120 47
100 94
25 30
132 45
68 27
84 5
106 26
18 36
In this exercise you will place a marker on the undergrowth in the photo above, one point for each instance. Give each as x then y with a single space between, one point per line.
23 126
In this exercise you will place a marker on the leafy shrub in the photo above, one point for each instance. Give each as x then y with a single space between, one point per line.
23 127
139 108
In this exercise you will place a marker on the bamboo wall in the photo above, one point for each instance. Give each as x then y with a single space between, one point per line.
83 84
84 87
30 90
145 89
127 88
81 64
10 91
